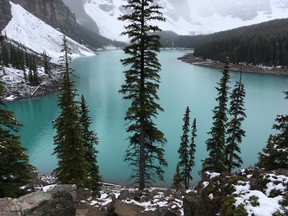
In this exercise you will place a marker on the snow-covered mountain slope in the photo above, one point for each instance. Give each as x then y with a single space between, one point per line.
188 17
35 34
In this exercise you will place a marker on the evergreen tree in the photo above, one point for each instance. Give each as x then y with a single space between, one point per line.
30 77
216 161
234 130
184 150
5 53
275 154
15 170
1 54
90 140
69 145
145 152
177 179
46 60
192 149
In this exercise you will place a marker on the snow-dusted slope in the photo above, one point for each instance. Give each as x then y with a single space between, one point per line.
187 17
37 35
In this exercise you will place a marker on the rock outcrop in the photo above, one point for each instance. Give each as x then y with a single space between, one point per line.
59 16
54 13
77 7
5 13
60 201
216 193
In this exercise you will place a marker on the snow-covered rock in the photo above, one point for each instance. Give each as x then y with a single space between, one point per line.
35 34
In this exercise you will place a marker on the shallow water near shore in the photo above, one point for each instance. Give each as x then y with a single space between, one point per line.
100 78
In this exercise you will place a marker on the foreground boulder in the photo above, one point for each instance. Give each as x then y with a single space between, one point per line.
57 202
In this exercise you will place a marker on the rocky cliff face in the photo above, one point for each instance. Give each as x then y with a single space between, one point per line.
77 7
58 15
53 12
5 13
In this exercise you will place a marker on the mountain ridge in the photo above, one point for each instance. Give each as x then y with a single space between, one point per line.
187 17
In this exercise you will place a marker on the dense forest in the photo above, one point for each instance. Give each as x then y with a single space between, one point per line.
265 43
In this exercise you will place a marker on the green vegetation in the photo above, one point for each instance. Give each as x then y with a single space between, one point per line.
264 44
177 179
226 132
186 151
192 149
183 149
216 162
90 139
275 154
145 152
234 130
69 145
15 170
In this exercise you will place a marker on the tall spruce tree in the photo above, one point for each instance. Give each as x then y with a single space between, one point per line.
177 179
216 162
90 140
46 62
192 150
1 54
184 149
275 154
15 170
234 130
69 145
145 152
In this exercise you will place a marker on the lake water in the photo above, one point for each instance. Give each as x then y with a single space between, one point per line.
181 85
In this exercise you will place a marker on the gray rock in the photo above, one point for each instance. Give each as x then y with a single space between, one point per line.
164 211
57 202
124 195
33 200
82 194
10 207
191 205
71 189
123 209
61 204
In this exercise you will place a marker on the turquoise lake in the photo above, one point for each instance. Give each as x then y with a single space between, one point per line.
182 85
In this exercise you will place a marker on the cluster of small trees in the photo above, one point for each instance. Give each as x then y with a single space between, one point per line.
74 141
186 153
18 57
226 133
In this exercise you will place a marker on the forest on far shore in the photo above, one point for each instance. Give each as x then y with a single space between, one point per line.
265 43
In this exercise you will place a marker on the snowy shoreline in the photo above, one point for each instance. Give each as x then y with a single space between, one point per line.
17 88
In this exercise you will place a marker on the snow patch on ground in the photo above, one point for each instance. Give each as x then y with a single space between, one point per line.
17 87
258 203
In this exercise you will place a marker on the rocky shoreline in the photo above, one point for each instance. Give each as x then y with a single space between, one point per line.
18 88
246 68
246 192
20 92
